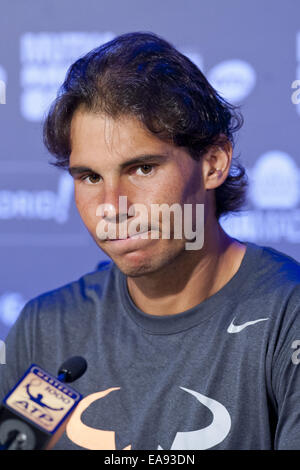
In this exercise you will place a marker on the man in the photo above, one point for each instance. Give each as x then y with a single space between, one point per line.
188 346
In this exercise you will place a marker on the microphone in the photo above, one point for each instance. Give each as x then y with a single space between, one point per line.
72 369
34 414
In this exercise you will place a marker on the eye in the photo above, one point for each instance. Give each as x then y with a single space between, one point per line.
92 178
146 169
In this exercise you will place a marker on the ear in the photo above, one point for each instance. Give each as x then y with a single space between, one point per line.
216 164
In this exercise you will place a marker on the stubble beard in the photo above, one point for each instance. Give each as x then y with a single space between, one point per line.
161 260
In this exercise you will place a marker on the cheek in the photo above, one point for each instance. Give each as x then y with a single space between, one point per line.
168 191
86 204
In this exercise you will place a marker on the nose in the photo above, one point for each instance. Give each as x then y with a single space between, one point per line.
116 201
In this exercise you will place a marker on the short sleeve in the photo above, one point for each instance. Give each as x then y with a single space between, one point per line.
18 348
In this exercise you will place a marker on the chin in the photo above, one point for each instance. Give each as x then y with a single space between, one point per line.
137 264
136 270
146 266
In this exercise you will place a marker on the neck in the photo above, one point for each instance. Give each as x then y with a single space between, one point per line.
199 274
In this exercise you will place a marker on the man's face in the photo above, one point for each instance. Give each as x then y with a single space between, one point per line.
165 175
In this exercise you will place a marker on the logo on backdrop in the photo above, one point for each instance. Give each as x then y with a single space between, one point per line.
275 181
233 79
274 194
43 205
45 58
11 304
38 217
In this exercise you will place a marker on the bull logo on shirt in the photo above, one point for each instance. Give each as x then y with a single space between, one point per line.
205 438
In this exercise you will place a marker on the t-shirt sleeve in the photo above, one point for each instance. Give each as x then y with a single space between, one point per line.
286 383
17 352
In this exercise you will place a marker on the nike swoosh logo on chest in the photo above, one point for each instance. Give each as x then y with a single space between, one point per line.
237 328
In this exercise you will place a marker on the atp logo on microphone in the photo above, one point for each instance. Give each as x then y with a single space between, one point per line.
42 399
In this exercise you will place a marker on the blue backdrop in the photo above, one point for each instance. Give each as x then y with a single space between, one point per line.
250 52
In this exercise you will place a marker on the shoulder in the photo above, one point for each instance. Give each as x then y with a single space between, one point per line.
75 296
273 268
269 287
274 287
282 263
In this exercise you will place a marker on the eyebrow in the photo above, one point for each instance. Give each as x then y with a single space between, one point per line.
79 169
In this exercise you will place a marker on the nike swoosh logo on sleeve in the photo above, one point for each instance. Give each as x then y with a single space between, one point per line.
237 328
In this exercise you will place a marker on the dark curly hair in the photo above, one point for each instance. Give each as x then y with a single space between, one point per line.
140 74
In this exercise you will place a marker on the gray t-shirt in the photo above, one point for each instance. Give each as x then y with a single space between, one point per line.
221 375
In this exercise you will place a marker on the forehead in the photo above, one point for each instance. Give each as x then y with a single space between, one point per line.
98 134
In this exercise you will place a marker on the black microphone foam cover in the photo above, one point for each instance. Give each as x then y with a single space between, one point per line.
73 368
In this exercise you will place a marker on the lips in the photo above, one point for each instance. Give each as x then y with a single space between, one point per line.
122 245
138 235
